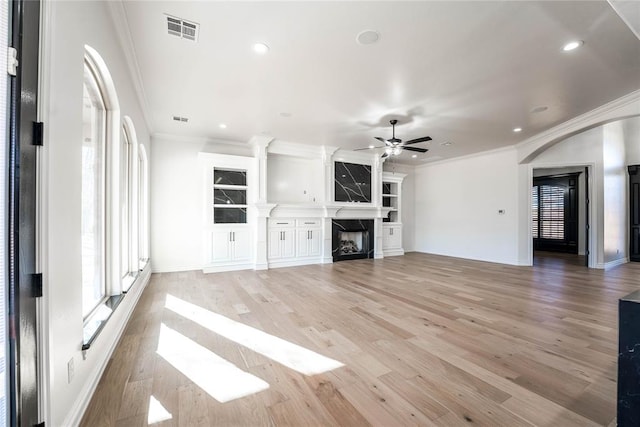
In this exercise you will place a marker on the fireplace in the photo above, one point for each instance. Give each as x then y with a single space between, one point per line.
352 239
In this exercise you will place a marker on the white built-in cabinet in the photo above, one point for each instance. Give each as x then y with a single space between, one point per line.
275 209
309 242
392 223
294 241
229 186
282 239
230 245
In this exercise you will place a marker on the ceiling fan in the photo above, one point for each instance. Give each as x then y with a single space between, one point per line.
394 146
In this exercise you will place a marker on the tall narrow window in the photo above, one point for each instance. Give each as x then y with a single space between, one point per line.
93 193
143 210
125 208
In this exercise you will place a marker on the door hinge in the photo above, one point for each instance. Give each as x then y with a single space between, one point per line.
12 61
36 286
38 134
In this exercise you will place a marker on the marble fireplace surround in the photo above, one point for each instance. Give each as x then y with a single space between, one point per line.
365 226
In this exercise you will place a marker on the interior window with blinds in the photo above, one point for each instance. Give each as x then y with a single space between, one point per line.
534 211
548 212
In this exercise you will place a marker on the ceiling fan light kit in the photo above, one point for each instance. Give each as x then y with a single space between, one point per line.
394 146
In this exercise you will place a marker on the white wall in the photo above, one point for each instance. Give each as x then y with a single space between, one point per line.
615 192
457 204
632 140
407 209
72 25
294 179
176 200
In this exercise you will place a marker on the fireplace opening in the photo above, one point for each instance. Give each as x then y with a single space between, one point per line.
352 239
352 242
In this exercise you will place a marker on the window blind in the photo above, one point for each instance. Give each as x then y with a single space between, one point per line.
551 212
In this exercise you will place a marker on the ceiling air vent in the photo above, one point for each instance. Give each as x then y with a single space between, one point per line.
180 119
183 29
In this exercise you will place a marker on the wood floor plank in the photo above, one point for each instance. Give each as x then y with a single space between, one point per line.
424 340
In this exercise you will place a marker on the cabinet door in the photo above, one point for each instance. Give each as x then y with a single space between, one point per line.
315 242
241 241
288 244
386 237
391 237
303 242
220 245
275 243
395 237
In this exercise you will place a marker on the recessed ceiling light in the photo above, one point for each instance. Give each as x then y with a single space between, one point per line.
285 114
367 37
572 45
260 48
446 144
222 126
539 109
413 156
517 130
372 146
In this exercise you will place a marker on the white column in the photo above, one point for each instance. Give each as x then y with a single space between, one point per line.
327 170
260 145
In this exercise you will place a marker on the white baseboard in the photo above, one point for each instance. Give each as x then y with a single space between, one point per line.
223 268
294 262
74 417
615 263
174 268
393 252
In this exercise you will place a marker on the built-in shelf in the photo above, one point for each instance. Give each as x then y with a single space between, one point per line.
392 221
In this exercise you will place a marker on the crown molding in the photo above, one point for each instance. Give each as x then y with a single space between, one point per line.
121 24
198 139
620 108
466 157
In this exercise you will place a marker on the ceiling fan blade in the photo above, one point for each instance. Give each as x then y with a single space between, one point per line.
417 140
383 140
366 148
419 150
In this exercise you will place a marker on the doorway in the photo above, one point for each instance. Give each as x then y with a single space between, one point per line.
560 216
24 284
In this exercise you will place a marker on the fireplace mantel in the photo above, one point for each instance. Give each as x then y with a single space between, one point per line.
316 210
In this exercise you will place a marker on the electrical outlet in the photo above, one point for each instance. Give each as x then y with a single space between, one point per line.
70 370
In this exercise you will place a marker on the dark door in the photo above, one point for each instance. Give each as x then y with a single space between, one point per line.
587 225
555 226
25 16
634 214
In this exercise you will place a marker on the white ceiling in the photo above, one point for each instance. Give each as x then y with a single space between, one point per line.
461 72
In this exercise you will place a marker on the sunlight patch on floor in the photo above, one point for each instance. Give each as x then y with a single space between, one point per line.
218 377
157 412
288 354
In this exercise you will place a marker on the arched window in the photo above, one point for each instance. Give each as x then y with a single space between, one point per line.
143 206
93 217
99 178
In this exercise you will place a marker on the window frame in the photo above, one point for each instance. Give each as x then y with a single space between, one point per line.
95 85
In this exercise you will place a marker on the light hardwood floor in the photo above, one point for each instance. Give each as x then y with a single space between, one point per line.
425 340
